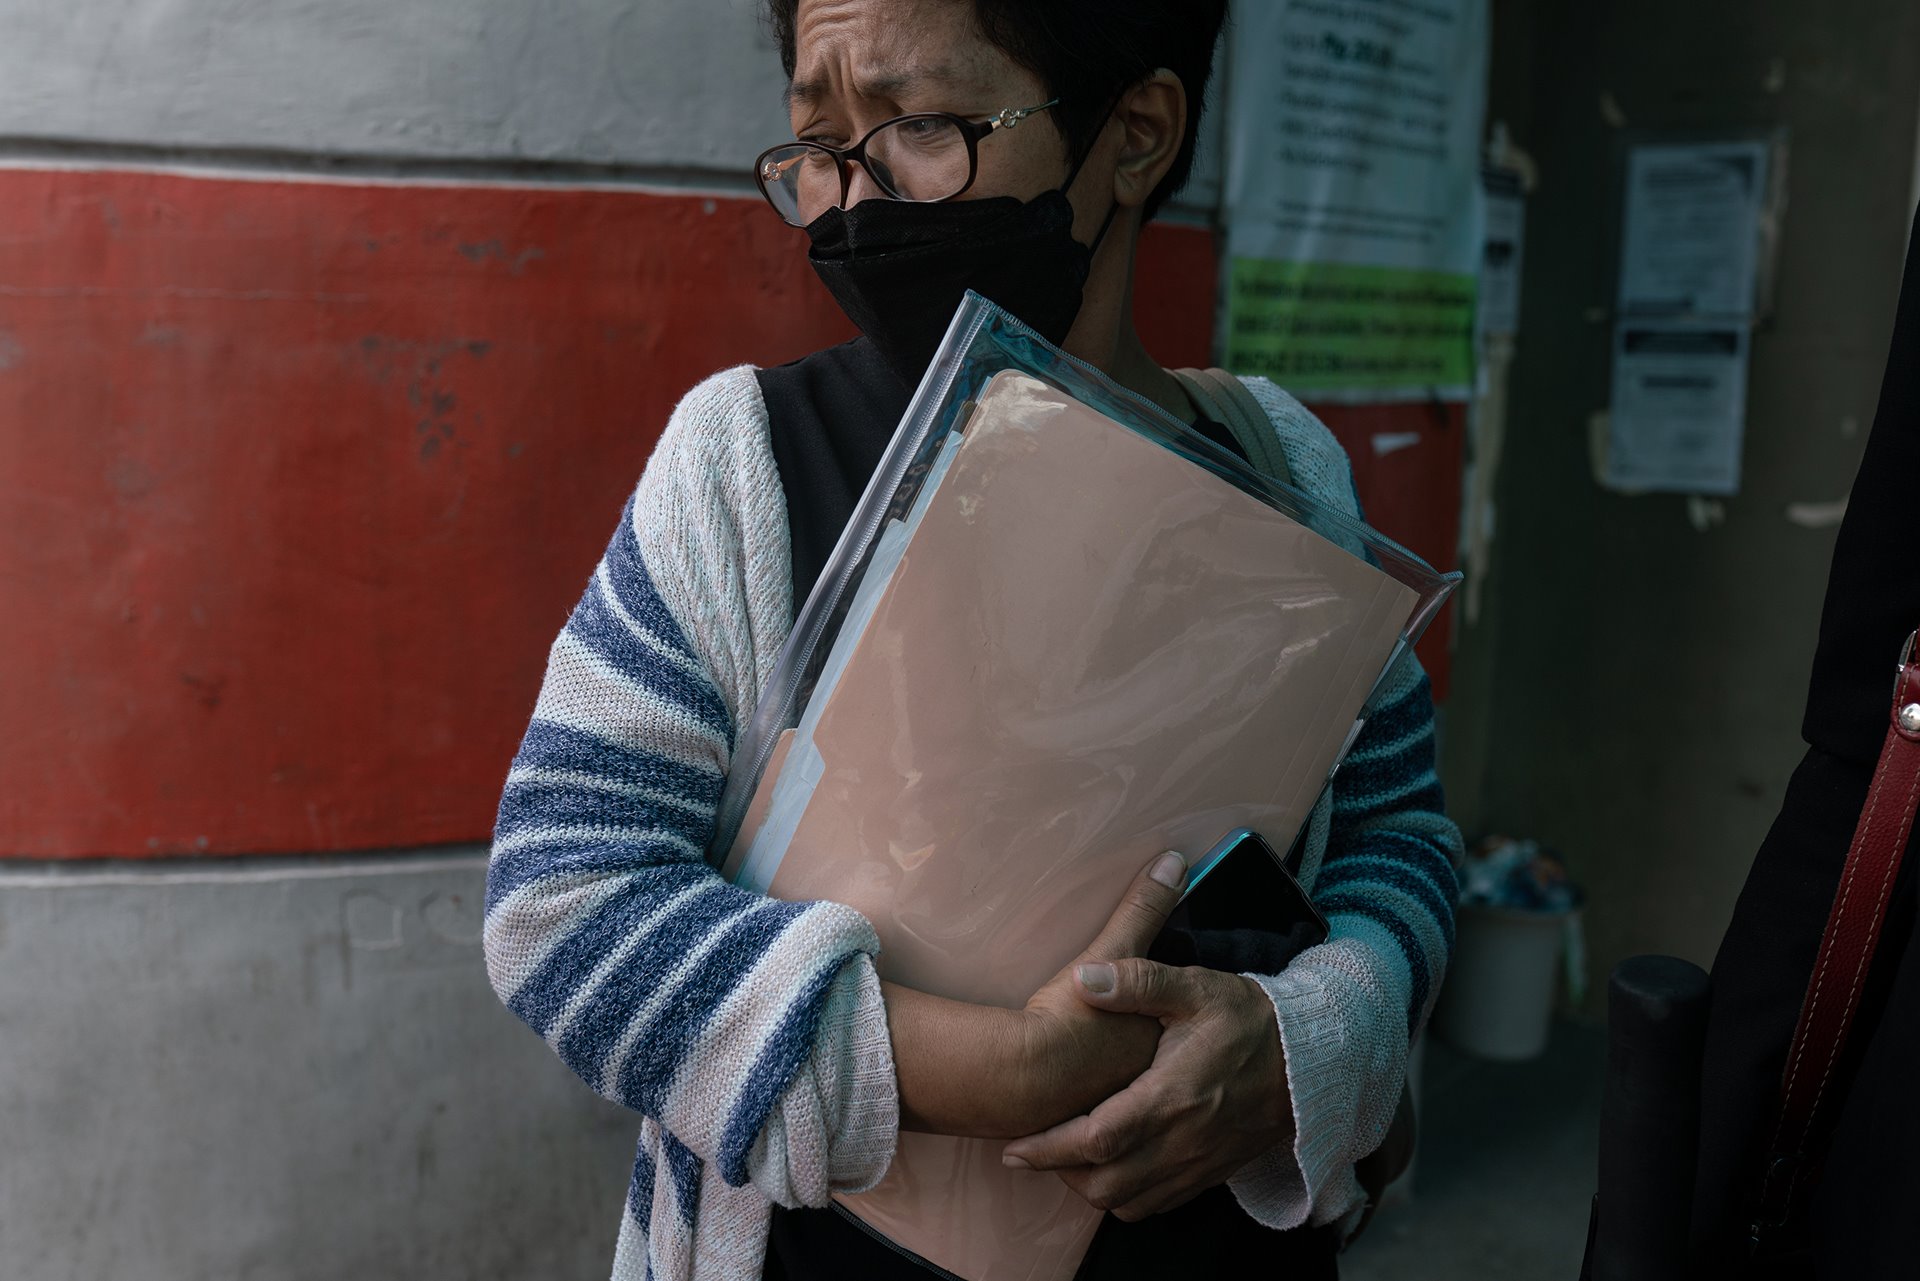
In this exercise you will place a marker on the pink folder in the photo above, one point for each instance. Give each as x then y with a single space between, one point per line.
1091 650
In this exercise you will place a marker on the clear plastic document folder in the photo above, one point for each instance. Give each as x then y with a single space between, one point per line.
1063 632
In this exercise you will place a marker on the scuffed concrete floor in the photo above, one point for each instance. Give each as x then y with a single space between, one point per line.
1505 1171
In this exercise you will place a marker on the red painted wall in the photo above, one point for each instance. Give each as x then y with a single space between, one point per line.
1407 460
298 480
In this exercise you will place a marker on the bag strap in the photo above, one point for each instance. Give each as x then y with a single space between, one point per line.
1226 400
1846 950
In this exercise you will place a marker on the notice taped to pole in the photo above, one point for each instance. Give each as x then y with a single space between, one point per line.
1354 202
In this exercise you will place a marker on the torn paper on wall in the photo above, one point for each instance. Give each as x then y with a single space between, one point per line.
1679 407
1693 234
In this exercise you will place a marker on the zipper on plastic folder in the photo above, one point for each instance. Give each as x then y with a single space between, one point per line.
933 1269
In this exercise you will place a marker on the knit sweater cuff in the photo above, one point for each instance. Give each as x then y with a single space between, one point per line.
1312 1179
853 1031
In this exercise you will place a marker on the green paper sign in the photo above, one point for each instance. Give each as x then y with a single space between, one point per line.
1328 326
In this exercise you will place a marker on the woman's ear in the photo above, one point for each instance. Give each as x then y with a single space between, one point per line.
1153 121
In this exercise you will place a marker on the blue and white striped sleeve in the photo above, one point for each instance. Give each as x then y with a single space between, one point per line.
1347 1010
750 1030
1391 849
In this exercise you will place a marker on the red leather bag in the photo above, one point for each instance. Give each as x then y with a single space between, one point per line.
1796 1153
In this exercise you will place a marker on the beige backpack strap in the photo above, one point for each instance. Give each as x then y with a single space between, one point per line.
1226 400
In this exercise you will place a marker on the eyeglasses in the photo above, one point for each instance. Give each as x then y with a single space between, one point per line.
925 157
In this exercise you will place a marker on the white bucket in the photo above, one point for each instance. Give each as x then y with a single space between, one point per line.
1497 1002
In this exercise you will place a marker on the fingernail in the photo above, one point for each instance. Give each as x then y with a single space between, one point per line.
1096 978
1013 1162
1170 871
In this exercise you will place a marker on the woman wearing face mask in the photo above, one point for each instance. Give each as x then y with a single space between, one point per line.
1217 1108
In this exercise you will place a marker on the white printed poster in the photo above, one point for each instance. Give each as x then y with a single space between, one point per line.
1353 194
1692 240
1688 291
1498 306
1679 407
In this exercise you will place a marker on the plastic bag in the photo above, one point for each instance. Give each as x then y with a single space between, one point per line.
1063 632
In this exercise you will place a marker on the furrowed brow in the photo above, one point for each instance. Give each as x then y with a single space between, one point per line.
806 91
876 82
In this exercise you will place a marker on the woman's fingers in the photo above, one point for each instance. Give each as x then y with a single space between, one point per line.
1134 985
1143 911
1152 1174
1101 1137
1157 1198
1125 1188
1214 1098
1149 1180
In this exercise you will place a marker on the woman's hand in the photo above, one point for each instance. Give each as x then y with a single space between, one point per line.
1074 1054
1214 1099
984 1072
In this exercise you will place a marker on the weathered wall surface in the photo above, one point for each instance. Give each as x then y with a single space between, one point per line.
1651 663
333 462
651 84
246 1071
684 90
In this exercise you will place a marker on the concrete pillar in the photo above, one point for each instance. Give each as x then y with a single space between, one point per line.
333 335
1634 691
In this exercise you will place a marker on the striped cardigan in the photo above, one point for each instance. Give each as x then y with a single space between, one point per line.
749 1033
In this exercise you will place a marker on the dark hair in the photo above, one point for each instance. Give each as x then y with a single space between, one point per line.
1088 53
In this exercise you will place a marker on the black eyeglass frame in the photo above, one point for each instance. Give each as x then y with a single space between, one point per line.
844 158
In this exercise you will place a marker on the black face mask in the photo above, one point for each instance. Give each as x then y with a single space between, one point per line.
900 269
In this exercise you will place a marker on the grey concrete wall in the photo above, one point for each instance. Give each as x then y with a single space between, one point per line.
295 1069
291 1070
1634 690
654 87
603 81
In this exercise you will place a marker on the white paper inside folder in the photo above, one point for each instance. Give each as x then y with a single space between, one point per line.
801 766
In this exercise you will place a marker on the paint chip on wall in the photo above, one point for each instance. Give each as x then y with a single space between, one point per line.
1817 515
1704 513
1599 446
1392 442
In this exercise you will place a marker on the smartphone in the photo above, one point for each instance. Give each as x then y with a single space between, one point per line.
1242 884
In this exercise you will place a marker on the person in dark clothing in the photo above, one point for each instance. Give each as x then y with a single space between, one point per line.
1761 973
